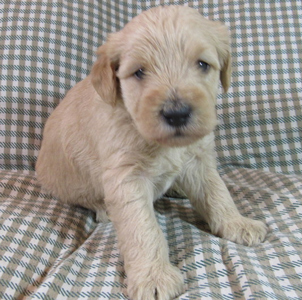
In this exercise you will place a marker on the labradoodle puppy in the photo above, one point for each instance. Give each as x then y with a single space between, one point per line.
142 124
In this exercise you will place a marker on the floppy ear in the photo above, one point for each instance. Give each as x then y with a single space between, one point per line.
226 71
103 75
222 43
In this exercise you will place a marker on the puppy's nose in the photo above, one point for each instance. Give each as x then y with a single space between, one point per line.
176 114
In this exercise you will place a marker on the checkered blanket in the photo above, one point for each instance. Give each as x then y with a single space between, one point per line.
53 251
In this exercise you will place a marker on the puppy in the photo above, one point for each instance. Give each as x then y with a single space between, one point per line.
142 124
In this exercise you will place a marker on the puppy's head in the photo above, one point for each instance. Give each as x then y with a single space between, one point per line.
165 65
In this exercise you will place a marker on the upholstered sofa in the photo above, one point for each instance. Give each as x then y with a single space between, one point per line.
53 251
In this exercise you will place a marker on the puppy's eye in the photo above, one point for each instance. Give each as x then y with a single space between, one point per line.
203 66
139 74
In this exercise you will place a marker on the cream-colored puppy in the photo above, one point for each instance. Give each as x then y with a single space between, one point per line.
139 125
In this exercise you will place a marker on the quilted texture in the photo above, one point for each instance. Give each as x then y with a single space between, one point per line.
52 251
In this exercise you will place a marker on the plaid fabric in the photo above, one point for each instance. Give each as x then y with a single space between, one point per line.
52 251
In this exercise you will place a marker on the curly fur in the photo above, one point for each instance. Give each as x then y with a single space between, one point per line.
108 147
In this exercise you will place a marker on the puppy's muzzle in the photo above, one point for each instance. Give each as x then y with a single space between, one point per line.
176 113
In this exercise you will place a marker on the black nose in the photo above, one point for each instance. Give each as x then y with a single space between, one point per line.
176 114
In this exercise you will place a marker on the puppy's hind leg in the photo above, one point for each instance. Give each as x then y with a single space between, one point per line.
101 215
90 195
210 197
100 210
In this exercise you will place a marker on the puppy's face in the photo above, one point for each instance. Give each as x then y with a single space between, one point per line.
166 63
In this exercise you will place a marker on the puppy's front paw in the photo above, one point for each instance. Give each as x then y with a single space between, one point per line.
162 282
244 231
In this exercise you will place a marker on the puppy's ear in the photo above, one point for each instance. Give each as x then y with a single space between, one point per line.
222 42
103 75
225 72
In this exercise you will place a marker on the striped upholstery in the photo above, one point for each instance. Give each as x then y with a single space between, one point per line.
52 251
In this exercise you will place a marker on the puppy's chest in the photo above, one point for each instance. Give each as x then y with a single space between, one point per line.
164 172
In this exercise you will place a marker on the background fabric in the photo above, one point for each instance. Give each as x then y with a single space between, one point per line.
54 251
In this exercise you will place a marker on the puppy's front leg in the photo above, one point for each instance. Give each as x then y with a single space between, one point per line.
201 182
142 244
